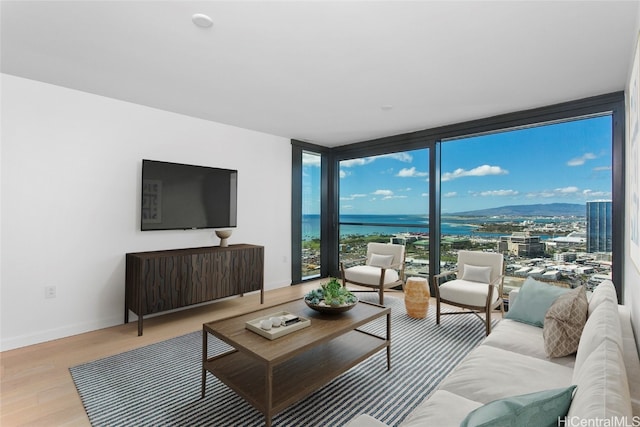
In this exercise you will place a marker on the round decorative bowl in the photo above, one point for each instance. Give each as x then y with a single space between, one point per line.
330 309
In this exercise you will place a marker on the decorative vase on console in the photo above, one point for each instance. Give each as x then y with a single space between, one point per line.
223 235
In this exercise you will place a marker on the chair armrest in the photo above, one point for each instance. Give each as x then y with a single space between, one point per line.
353 262
497 281
394 266
437 277
445 274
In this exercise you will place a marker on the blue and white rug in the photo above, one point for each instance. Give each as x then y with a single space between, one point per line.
159 385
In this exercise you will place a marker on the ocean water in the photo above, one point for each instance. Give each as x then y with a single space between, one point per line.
415 224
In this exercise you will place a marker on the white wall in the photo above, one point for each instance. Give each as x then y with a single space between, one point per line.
70 197
631 273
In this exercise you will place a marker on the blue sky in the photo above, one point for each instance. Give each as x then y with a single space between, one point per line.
567 162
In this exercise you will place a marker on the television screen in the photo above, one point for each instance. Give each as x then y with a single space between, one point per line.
181 197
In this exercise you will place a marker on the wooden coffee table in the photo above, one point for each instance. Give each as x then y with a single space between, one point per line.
273 374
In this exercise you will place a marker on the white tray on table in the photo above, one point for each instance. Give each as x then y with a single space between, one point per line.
277 332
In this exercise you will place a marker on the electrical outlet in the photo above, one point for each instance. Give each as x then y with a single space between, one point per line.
49 291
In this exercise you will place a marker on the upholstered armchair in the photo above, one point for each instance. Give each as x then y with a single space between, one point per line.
382 269
476 286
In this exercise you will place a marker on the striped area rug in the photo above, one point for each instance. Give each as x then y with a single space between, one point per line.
159 385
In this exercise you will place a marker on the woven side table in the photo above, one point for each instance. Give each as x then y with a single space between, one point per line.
416 297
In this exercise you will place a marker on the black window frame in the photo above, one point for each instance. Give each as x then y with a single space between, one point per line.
612 103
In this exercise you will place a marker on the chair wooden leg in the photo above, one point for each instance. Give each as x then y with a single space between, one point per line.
381 295
488 321
437 311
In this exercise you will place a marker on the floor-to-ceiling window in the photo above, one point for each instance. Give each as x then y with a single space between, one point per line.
310 204
311 189
385 198
475 175
525 193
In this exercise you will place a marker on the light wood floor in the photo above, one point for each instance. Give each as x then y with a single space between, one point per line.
36 388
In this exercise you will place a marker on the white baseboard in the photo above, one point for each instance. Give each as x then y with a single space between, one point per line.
57 333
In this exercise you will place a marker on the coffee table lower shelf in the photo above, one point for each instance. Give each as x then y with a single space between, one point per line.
296 377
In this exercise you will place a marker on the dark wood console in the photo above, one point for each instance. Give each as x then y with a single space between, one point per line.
164 280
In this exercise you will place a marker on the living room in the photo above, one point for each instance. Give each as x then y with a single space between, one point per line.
72 152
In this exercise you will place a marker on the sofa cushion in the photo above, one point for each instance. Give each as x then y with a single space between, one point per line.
604 291
466 292
365 420
533 301
524 339
564 322
630 357
442 409
475 273
603 324
369 275
541 409
603 391
489 373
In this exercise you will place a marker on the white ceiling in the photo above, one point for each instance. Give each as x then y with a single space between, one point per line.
322 71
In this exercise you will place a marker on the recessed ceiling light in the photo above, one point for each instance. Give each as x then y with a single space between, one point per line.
202 20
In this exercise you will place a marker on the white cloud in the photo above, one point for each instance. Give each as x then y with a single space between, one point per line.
545 194
410 173
483 170
571 192
353 196
567 190
402 157
593 194
579 161
385 193
499 193
424 195
310 159
602 168
344 174
394 197
356 162
450 194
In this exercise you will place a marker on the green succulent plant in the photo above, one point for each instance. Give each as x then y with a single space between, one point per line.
333 293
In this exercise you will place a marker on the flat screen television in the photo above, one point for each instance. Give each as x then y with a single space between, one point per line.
183 197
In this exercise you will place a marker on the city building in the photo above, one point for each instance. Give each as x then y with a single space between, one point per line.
599 226
565 256
571 240
521 244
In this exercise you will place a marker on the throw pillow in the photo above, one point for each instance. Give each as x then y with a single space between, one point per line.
380 261
475 273
534 299
541 409
564 322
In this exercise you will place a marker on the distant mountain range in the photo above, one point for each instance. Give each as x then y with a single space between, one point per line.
551 209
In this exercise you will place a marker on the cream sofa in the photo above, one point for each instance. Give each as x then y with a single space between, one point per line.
512 361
